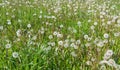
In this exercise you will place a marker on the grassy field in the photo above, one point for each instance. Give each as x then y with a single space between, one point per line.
59 35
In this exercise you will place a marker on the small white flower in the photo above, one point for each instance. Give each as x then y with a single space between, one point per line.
98 49
41 12
18 32
29 25
101 16
67 40
89 20
103 67
53 44
108 54
102 13
53 17
49 43
19 20
117 67
105 41
74 31
1 27
95 23
75 46
92 27
48 48
42 31
103 24
61 26
7 13
50 37
111 62
34 37
59 35
18 39
72 40
100 44
15 55
96 41
60 43
66 45
103 62
106 35
55 33
78 42
85 36
88 44
116 34
40 16
118 21
73 54
109 22
8 22
79 23
8 46
89 39
93 59
72 45
89 63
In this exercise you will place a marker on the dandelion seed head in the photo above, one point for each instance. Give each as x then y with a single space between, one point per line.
106 35
88 62
109 22
103 67
92 27
61 26
105 41
9 22
52 43
8 46
108 54
95 23
59 35
60 43
85 36
78 42
18 32
29 25
100 44
111 62
73 54
34 37
1 27
117 34
66 45
79 23
88 44
15 55
118 21
55 33
50 37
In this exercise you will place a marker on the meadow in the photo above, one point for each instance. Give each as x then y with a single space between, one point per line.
59 34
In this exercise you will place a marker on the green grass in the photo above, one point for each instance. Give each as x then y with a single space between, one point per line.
38 54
